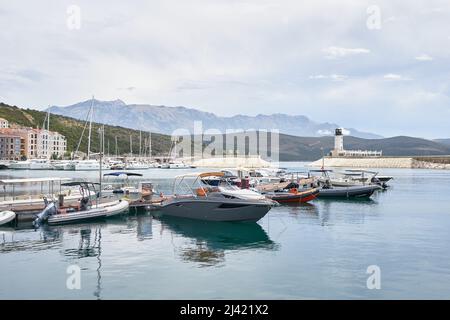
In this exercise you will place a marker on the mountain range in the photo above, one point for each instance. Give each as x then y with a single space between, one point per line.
165 120
292 148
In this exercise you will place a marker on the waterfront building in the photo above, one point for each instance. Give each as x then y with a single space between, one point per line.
12 147
39 143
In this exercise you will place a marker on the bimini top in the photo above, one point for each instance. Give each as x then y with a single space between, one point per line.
18 181
119 173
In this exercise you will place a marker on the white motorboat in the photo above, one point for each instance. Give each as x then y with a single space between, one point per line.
59 213
6 217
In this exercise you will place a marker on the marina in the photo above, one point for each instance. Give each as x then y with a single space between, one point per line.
278 256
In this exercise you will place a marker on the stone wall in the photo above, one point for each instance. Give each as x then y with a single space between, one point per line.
381 162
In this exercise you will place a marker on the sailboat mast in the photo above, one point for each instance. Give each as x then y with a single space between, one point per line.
150 145
117 151
103 139
131 146
48 133
91 111
140 143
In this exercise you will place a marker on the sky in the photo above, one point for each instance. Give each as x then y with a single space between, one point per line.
378 66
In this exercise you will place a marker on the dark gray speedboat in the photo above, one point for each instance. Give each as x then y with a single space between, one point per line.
329 190
210 204
348 192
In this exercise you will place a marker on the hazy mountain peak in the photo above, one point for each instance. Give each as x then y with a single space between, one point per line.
165 119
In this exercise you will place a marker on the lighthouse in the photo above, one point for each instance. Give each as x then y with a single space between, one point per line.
338 142
339 151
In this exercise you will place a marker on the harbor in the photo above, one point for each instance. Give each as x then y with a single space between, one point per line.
224 159
164 252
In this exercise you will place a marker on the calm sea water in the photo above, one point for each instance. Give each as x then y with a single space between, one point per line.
314 251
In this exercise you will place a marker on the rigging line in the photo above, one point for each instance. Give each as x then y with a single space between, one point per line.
84 129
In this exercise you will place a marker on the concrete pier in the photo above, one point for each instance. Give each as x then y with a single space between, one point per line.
428 162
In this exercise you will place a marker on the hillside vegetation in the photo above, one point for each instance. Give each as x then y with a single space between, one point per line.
72 129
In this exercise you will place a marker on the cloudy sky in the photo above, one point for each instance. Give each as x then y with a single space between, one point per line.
379 66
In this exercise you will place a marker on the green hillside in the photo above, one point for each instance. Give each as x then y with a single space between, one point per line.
72 130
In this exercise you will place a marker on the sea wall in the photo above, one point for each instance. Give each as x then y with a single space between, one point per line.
379 162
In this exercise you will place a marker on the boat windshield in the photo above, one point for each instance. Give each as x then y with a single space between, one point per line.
193 184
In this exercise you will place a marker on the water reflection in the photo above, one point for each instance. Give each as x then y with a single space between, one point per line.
344 210
144 228
208 241
15 239
89 246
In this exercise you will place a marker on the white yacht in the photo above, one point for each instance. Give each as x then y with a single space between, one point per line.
136 165
40 164
20 165
178 165
88 165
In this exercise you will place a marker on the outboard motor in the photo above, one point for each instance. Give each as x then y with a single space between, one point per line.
49 210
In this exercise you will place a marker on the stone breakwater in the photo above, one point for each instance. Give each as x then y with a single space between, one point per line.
384 162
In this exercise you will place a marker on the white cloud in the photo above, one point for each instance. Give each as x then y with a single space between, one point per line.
235 56
424 57
340 52
345 132
333 77
322 132
395 77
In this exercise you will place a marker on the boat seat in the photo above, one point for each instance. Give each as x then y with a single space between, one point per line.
201 192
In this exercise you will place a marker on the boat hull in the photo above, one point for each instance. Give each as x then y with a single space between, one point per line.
299 197
349 192
212 210
103 211
6 217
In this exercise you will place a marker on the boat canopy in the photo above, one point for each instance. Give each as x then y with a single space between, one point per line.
18 181
129 174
